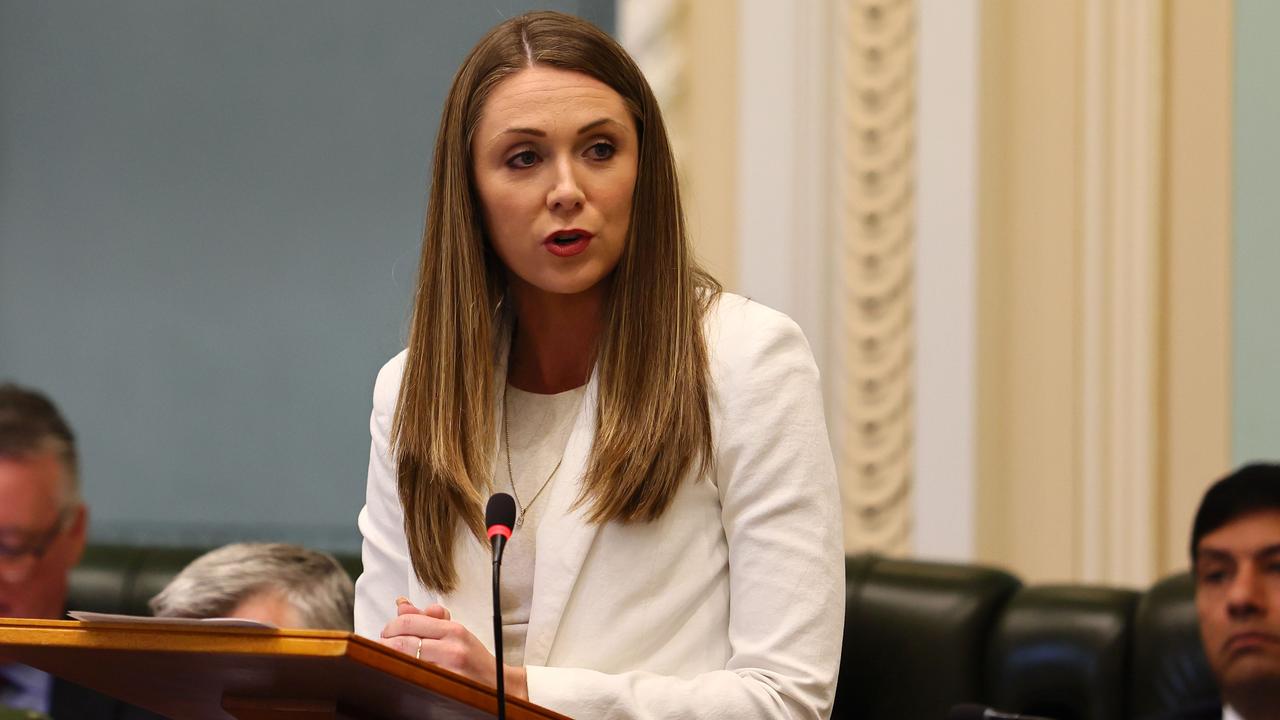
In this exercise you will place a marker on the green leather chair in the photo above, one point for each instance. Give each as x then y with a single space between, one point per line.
1062 652
915 635
921 637
1169 666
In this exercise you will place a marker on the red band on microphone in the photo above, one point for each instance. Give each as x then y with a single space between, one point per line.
502 530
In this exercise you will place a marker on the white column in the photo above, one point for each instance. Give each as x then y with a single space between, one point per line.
783 162
1123 102
946 279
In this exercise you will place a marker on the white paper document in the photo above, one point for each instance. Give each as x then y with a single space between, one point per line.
97 617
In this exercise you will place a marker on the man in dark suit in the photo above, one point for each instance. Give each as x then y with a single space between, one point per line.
42 534
1235 555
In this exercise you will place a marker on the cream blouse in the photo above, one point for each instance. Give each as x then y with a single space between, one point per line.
539 427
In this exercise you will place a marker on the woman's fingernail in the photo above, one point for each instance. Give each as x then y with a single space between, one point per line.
401 600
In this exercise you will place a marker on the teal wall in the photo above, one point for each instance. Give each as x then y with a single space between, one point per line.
1256 351
209 223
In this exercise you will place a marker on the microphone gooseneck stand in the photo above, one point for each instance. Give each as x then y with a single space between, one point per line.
497 636
499 518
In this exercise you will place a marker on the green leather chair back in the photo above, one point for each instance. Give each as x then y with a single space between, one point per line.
1062 652
1169 666
921 637
914 636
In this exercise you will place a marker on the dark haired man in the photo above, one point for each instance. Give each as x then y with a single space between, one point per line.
1235 555
42 534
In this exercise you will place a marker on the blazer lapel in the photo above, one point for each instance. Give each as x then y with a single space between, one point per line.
564 536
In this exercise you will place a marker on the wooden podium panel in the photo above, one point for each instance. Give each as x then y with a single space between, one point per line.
220 673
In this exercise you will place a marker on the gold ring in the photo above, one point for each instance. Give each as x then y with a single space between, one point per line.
418 654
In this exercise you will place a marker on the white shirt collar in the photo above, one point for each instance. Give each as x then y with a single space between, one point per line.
1229 713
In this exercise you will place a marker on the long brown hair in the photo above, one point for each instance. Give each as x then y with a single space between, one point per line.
653 423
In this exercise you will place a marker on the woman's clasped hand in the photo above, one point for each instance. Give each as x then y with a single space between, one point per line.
430 634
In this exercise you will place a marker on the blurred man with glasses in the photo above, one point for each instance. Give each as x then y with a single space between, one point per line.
42 519
42 534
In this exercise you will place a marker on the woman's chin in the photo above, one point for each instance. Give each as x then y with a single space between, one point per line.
566 285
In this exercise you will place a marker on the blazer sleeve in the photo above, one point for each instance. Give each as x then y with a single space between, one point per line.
780 508
385 552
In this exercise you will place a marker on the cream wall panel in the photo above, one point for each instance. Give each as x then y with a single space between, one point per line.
1103 312
1028 444
710 157
688 51
1122 49
1197 378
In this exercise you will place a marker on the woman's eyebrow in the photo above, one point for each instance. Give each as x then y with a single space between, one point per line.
597 123
523 131
542 133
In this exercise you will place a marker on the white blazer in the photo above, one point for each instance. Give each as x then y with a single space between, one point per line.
731 605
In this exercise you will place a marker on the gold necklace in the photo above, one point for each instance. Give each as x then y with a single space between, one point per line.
506 438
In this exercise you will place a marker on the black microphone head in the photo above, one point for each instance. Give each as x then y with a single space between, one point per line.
501 510
967 711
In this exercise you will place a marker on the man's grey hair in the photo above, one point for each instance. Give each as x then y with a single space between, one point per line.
30 424
312 582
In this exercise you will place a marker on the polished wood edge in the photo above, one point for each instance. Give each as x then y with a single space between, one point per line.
170 638
398 664
152 637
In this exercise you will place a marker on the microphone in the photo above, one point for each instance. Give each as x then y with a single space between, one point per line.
971 711
499 517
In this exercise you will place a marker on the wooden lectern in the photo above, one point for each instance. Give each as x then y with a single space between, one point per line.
191 672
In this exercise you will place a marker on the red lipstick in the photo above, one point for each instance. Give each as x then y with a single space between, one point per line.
567 242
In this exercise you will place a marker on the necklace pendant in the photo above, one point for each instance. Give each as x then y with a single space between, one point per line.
520 520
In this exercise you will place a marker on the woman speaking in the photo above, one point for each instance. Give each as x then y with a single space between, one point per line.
677 550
